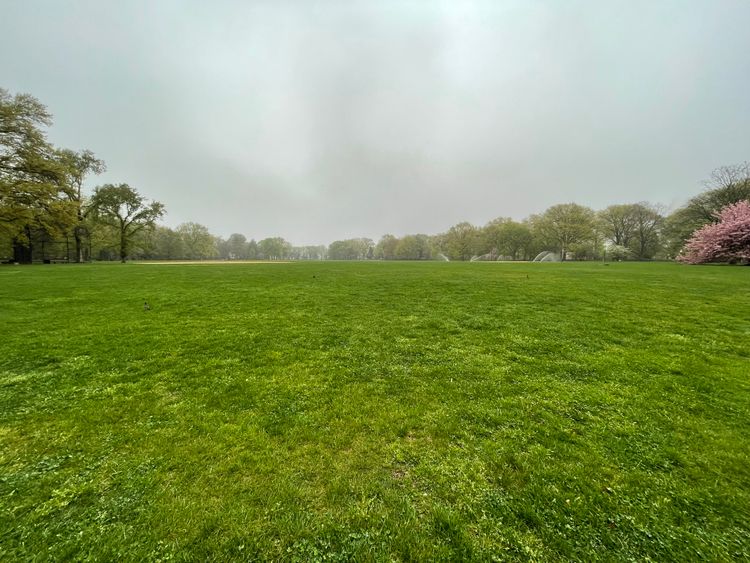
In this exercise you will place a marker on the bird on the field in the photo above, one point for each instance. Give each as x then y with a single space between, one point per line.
146 306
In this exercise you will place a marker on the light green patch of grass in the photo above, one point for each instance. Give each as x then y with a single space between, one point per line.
375 411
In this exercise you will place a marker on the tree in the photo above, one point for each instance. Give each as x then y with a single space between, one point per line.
252 250
565 225
237 247
386 247
341 250
123 208
366 248
77 166
726 185
32 178
197 241
351 249
167 244
414 247
648 222
461 242
618 252
275 248
313 252
635 226
618 223
505 237
726 241
490 238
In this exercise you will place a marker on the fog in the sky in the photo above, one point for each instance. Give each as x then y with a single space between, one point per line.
320 120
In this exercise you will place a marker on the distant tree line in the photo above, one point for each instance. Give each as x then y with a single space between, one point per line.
45 215
192 241
633 231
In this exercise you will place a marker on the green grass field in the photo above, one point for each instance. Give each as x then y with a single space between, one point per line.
375 411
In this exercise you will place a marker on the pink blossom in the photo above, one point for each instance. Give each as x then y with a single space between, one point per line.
727 240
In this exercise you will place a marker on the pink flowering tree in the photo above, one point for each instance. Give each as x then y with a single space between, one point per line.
725 241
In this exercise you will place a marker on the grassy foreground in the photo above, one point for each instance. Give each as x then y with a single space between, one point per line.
375 411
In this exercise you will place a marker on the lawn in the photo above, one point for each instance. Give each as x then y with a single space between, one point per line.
375 411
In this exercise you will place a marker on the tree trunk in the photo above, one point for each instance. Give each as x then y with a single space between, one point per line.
22 253
123 245
77 232
79 245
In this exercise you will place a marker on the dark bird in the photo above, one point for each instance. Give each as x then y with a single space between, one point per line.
146 306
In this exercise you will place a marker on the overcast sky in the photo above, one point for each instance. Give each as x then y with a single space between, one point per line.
317 120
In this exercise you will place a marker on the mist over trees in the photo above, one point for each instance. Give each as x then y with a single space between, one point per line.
45 215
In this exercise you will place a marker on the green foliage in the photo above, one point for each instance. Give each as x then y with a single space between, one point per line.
252 250
414 247
408 247
32 176
274 248
122 208
648 224
727 185
386 248
310 252
507 238
197 242
565 225
351 249
164 244
237 247
79 165
461 242
374 411
618 224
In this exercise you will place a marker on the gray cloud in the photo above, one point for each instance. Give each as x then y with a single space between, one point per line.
324 120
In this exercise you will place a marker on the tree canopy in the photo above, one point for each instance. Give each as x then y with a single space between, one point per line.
727 240
565 225
726 185
77 166
125 210
32 176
